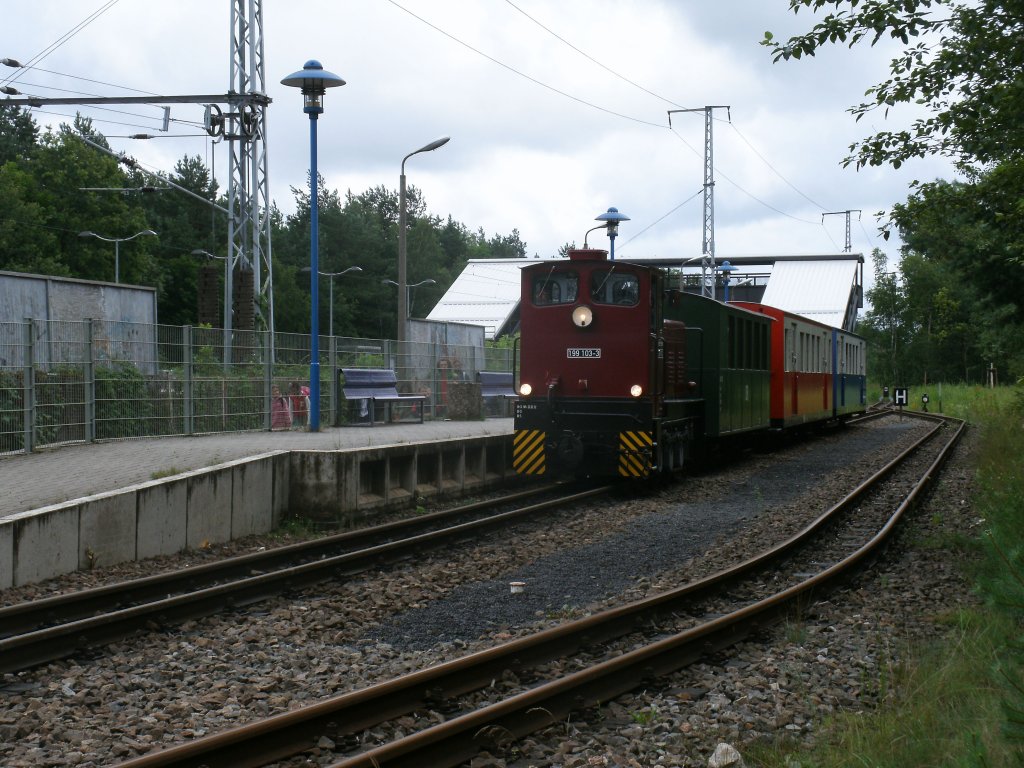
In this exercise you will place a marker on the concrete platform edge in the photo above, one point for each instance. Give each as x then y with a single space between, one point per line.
239 498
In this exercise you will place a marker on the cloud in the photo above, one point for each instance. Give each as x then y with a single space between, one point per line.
543 138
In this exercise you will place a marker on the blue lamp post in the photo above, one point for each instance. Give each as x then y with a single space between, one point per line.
611 218
314 81
726 269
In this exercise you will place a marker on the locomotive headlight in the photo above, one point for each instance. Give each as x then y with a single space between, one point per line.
636 390
525 389
582 316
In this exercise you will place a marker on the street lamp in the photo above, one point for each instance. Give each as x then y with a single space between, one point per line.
682 273
402 315
612 217
408 291
314 81
333 275
726 269
117 247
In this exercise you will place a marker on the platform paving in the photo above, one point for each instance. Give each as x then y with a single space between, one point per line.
54 475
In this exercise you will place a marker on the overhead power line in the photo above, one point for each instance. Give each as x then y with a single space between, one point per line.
591 58
523 75
61 40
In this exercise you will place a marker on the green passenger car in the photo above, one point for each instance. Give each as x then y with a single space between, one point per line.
727 351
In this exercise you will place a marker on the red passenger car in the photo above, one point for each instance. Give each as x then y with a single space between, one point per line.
804 365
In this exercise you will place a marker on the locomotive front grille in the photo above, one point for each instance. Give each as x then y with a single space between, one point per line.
528 452
635 453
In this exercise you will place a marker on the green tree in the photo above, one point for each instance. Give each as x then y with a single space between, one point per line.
973 235
962 62
27 241
184 224
19 134
885 324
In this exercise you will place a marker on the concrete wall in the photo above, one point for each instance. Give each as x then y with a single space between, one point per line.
241 498
127 311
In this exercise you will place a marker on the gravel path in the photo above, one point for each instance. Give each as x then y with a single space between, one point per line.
213 674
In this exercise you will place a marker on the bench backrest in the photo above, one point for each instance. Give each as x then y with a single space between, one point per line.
369 382
495 383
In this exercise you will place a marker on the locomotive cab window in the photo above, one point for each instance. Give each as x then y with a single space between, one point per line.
555 289
610 287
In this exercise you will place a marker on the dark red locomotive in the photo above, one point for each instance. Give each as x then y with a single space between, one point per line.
622 374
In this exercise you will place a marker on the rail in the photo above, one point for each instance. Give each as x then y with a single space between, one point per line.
458 739
58 627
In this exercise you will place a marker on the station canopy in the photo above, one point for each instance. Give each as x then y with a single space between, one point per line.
825 287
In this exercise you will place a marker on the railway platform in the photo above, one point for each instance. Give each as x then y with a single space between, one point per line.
78 506
56 475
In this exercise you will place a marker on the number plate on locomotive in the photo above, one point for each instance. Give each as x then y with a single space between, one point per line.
583 352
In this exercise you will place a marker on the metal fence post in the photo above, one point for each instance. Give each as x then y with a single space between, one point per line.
187 410
268 378
29 387
332 367
90 386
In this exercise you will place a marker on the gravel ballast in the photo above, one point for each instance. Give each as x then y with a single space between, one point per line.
202 677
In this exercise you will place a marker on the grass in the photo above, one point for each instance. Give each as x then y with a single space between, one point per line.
943 708
956 701
160 474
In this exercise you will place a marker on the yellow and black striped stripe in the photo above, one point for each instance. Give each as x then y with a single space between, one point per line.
635 454
528 452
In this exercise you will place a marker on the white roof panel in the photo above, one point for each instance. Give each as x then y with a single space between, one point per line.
819 290
486 293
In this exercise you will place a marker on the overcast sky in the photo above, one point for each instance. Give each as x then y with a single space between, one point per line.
543 151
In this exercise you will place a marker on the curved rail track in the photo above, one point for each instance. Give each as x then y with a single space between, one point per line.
624 647
57 627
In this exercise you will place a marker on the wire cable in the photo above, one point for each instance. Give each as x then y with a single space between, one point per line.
773 169
523 75
749 194
591 58
60 41
661 218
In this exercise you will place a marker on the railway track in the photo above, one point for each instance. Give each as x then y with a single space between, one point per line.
492 697
45 630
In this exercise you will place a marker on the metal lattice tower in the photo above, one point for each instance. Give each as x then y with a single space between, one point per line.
248 185
244 126
849 242
707 262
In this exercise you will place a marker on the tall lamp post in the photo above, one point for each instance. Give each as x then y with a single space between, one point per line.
314 81
333 275
408 291
402 309
117 247
611 218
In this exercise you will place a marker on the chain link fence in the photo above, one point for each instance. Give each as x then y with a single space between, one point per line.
77 382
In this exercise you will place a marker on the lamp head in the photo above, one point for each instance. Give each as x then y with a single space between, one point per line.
314 81
436 143
611 218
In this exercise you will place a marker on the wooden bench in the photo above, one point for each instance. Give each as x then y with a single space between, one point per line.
365 388
496 390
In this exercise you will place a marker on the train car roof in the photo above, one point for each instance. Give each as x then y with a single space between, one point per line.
823 287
